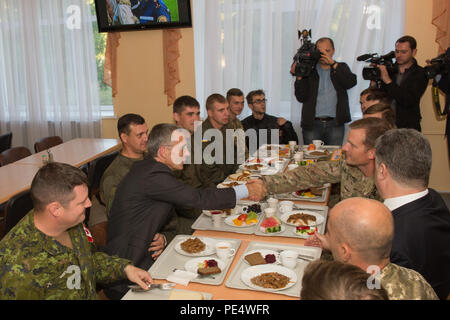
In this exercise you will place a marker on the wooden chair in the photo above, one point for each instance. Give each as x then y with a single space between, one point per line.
5 141
16 208
13 154
46 143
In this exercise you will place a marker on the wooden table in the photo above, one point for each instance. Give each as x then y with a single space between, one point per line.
17 176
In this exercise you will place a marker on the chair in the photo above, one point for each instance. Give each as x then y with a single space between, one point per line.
5 141
96 170
46 143
13 154
16 208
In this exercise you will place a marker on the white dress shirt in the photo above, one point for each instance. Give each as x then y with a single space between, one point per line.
397 202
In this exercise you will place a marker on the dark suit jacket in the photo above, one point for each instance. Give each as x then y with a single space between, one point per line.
144 202
422 240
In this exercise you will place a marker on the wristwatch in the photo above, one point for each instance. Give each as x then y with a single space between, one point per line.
334 64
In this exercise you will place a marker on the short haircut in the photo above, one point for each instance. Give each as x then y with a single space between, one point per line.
184 101
377 94
387 113
234 92
215 97
160 135
123 125
335 280
250 95
412 42
374 128
394 150
326 39
55 182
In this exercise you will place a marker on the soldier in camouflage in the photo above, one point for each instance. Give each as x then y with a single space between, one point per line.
235 98
49 254
360 232
354 170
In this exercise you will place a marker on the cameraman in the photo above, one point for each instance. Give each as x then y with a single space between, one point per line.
324 97
407 86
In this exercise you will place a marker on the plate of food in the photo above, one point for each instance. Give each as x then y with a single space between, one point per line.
309 193
195 246
224 212
243 220
254 167
268 277
229 184
305 232
302 218
319 153
271 225
261 256
205 266
242 176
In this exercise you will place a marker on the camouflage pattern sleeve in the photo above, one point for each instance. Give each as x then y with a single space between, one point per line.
109 268
314 175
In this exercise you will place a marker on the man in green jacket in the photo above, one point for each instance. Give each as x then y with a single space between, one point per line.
50 254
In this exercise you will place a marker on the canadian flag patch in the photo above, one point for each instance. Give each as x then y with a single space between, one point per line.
88 234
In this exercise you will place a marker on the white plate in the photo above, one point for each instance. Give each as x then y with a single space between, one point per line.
255 271
223 184
264 252
269 233
302 236
319 218
209 249
235 176
192 265
308 153
229 221
263 166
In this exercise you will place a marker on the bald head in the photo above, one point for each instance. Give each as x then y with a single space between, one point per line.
366 226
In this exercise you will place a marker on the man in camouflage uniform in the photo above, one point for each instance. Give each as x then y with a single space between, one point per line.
360 232
49 254
354 171
133 134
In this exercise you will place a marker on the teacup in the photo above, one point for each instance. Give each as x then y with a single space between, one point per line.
269 212
289 258
216 218
298 156
286 206
273 203
225 250
318 144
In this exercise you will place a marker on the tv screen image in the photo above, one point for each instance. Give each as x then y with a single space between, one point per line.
126 15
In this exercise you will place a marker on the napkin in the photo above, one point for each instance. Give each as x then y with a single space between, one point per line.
182 277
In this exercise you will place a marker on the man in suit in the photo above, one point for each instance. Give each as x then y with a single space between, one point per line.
146 197
421 218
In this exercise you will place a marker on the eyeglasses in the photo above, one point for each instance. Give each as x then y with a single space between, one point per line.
259 101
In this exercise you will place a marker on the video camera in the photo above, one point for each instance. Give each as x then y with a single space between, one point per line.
439 65
307 56
373 73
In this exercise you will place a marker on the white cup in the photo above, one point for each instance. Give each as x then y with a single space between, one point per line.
225 250
292 144
273 203
217 219
270 212
292 166
318 143
298 156
289 258
278 164
286 206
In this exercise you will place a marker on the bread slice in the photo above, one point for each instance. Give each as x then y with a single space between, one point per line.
208 270
255 259
185 295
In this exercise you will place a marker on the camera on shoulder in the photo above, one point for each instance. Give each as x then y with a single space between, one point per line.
373 73
307 56
438 65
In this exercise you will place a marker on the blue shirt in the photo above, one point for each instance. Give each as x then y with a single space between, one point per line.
241 192
326 95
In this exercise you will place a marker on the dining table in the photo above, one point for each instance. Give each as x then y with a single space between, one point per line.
17 176
224 291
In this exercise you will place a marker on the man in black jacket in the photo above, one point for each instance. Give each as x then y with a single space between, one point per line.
324 97
407 86
421 218
260 120
145 199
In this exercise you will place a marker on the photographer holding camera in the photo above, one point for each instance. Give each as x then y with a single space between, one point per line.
407 85
322 88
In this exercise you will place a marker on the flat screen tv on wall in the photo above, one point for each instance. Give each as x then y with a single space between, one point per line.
128 15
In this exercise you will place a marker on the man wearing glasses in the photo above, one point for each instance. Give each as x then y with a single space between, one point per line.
259 121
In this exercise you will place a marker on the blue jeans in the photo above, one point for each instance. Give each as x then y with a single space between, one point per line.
327 131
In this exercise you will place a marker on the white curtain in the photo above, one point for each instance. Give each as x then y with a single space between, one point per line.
48 73
249 44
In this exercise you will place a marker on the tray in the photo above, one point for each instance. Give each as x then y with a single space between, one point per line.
170 260
289 196
290 230
205 222
234 280
158 294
